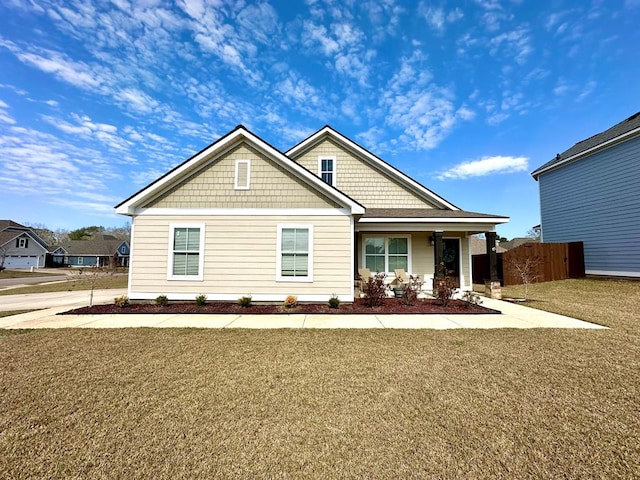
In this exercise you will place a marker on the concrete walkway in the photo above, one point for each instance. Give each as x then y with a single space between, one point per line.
512 316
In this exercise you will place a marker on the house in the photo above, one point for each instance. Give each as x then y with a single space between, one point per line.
478 246
20 247
516 242
241 218
104 251
591 193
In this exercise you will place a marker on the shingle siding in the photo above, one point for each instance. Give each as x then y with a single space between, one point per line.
596 200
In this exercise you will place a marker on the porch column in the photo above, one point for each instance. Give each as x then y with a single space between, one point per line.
492 284
492 256
438 249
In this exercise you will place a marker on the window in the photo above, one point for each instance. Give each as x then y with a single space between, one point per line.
186 252
295 253
22 243
327 169
385 254
80 260
242 175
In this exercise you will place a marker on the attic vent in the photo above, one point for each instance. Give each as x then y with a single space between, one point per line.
242 175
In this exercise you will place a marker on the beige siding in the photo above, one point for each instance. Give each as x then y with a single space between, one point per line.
361 181
240 256
213 187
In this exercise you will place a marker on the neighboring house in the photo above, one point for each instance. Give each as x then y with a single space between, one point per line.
591 194
243 218
516 242
479 246
20 247
105 251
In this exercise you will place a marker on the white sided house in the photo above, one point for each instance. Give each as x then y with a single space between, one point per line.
243 218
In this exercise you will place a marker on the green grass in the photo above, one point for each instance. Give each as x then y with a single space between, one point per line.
25 274
114 281
189 403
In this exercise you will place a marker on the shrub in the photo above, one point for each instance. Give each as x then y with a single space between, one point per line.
410 295
443 286
375 290
334 301
122 301
162 300
245 301
471 298
201 300
291 301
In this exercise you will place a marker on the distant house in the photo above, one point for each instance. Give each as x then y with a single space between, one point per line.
20 247
591 193
479 246
106 251
516 242
241 217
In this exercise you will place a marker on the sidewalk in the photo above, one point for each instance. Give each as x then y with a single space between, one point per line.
513 316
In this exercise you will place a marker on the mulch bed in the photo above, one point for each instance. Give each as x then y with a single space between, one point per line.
390 306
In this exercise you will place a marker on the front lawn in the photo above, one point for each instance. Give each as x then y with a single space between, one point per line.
384 404
71 284
25 274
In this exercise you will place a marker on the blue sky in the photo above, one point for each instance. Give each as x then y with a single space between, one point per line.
98 98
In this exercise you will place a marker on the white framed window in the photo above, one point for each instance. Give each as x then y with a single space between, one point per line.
22 243
327 169
80 260
242 176
386 253
186 252
294 262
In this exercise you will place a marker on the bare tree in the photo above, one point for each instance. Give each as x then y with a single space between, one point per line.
92 276
527 270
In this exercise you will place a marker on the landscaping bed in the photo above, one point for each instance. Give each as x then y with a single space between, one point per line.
389 306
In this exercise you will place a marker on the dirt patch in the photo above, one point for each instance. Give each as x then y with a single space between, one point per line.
390 306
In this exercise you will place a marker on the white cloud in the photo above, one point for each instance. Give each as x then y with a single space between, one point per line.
588 89
486 166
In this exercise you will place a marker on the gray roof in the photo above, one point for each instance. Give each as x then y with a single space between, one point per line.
625 126
424 213
516 242
90 247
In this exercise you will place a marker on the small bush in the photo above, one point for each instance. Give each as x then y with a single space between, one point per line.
410 296
245 301
334 301
375 290
471 298
162 300
291 301
443 286
122 301
201 300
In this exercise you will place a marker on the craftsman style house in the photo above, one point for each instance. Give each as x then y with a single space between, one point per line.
590 193
243 218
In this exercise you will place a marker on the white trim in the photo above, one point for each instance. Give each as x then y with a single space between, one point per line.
352 255
470 259
22 242
131 240
426 227
612 273
236 186
128 207
602 146
236 212
279 276
386 237
333 170
348 143
215 297
170 275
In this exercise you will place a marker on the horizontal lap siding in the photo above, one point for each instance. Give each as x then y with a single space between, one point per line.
240 256
596 200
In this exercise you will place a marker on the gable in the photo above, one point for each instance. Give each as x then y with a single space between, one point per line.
216 186
362 180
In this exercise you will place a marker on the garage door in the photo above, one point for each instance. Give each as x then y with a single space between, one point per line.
21 262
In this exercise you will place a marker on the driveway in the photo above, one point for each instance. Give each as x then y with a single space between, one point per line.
512 316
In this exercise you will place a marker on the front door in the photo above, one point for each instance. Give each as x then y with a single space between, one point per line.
451 258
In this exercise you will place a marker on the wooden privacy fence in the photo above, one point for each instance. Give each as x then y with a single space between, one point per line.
547 262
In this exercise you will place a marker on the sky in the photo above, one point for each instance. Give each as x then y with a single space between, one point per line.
99 98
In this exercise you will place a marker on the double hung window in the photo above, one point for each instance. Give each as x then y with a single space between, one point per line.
295 253
327 170
185 253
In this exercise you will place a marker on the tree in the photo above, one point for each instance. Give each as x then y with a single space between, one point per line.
533 233
92 276
85 233
527 270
